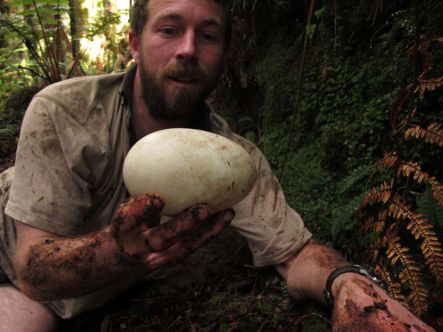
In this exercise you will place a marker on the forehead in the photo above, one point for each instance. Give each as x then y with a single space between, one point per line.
205 10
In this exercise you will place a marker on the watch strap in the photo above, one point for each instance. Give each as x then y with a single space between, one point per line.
345 269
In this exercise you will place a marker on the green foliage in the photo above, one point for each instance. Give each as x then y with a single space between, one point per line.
427 205
274 72
343 117
356 65
39 27
309 187
105 24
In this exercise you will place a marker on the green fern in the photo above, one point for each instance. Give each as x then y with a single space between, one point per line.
353 178
427 205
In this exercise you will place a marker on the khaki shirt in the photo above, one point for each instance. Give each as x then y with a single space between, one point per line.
68 177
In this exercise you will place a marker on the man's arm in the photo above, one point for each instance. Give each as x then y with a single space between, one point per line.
359 304
49 267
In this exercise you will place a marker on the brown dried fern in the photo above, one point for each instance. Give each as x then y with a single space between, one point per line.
380 194
421 228
394 288
428 85
380 223
437 191
377 225
433 253
388 161
414 169
433 134
410 275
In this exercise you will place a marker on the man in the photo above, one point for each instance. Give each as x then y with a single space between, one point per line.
68 246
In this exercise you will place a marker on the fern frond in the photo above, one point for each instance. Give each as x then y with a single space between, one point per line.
387 161
399 209
396 252
421 228
437 191
419 296
432 250
428 205
413 168
394 288
354 177
380 194
368 225
428 85
378 227
420 176
380 223
410 275
433 134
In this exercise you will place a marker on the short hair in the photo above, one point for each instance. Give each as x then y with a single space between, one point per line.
139 16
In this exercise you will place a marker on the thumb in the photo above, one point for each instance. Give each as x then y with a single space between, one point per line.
144 209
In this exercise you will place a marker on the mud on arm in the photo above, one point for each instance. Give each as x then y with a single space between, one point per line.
359 304
49 267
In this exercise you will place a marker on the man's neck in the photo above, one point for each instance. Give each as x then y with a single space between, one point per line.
142 120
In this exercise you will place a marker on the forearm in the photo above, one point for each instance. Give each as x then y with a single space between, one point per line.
65 268
49 267
358 303
306 273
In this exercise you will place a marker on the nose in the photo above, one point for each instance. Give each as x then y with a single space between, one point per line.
187 48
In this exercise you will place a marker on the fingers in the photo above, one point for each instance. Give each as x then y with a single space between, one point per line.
136 211
191 241
209 230
164 236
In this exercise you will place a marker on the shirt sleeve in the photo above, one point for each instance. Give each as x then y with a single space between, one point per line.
52 182
274 231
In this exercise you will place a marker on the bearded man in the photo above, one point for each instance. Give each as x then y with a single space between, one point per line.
62 251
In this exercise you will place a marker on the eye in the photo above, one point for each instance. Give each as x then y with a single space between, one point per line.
168 31
209 37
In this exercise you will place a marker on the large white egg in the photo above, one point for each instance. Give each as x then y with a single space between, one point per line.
187 167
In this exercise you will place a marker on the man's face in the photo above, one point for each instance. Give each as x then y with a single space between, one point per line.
179 55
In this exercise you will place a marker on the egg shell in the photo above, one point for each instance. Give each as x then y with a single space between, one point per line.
187 167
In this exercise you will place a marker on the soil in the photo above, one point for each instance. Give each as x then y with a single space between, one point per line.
214 290
246 299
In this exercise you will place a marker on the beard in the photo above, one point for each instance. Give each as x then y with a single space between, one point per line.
182 103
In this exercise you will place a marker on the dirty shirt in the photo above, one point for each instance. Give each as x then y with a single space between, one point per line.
67 179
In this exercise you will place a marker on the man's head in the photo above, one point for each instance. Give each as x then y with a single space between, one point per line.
139 16
178 46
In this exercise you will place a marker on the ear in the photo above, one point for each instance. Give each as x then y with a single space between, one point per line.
134 44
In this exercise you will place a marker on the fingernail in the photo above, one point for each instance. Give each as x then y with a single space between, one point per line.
229 215
200 212
157 201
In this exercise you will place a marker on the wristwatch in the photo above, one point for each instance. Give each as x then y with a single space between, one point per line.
345 269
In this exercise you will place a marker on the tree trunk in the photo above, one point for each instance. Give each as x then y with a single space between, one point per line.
75 40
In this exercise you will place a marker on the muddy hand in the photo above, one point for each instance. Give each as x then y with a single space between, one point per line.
135 228
132 219
184 234
360 305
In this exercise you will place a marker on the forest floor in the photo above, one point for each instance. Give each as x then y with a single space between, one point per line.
247 299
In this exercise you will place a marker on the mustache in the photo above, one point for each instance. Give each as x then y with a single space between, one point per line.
184 70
